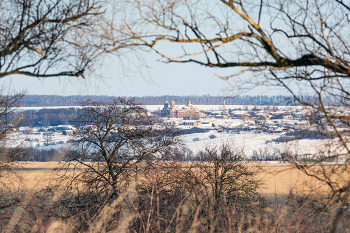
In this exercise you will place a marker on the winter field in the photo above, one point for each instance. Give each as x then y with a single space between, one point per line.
277 178
247 141
250 142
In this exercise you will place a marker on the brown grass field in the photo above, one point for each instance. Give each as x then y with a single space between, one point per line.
277 178
282 212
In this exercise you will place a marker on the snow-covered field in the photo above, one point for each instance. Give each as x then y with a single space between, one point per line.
249 142
57 140
246 141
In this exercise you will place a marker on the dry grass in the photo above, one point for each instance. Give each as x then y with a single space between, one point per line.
277 178
284 178
282 214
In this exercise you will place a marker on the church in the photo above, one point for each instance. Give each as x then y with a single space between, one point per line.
188 112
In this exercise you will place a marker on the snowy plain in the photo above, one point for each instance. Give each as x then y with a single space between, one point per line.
248 142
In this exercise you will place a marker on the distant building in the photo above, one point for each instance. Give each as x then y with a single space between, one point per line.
240 114
193 123
222 117
299 114
68 132
64 127
190 118
224 112
187 112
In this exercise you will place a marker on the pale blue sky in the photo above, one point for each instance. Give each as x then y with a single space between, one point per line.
159 79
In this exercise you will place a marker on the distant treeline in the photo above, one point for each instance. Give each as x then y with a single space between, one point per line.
49 117
75 100
52 117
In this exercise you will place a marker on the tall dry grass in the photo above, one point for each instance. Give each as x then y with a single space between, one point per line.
172 198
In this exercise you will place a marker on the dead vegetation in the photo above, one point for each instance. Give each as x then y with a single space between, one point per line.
168 197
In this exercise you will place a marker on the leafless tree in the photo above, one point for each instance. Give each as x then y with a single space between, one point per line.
228 184
213 192
114 140
44 38
9 120
301 46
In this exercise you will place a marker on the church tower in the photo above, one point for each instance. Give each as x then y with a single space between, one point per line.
166 105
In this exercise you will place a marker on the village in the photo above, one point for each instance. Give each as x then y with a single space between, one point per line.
251 127
268 119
